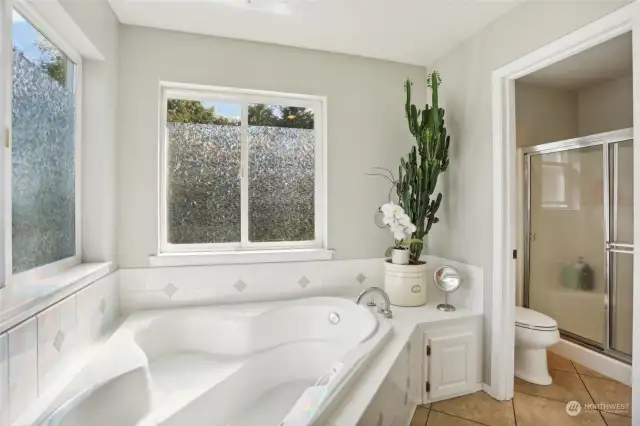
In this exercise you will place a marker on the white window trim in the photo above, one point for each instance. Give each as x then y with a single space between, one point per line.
243 251
49 30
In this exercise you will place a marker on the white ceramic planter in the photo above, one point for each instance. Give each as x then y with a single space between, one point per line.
406 285
400 257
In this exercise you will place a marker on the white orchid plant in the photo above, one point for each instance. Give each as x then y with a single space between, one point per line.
399 224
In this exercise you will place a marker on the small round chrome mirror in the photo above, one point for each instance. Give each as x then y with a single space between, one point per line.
447 279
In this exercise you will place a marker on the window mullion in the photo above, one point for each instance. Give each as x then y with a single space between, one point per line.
244 177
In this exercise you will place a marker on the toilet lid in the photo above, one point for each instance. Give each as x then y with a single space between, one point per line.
532 319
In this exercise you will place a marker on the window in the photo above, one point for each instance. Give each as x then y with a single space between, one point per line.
42 134
241 170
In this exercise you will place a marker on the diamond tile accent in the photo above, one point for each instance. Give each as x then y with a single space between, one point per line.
170 289
361 277
102 307
58 341
303 281
240 286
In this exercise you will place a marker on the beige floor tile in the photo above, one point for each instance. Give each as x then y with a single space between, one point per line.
441 419
537 411
420 416
615 420
605 391
581 369
478 407
566 387
557 362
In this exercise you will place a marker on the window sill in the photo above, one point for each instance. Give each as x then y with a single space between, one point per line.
239 257
21 301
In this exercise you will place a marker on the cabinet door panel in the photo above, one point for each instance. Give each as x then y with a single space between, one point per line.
451 364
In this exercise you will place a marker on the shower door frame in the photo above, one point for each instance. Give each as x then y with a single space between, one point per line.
609 247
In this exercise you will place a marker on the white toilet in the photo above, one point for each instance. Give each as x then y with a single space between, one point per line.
535 332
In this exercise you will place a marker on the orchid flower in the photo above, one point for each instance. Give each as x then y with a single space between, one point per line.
399 224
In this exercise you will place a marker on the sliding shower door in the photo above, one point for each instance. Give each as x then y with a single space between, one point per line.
566 258
578 238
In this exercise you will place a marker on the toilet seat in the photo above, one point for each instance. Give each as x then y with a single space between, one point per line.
530 319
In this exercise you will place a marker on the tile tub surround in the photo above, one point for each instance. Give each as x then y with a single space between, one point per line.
232 358
159 287
35 355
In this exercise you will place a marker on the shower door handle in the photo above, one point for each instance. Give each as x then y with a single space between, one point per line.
614 247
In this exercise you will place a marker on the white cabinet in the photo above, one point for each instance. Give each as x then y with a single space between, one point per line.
452 359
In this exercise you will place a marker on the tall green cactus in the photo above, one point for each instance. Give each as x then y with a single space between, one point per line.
419 171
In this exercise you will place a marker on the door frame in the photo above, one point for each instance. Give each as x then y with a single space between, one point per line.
505 183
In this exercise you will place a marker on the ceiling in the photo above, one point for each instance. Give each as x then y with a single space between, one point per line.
609 60
410 31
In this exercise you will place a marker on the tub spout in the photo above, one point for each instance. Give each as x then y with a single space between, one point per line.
386 310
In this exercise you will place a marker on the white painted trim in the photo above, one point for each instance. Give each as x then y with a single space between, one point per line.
66 31
239 257
597 362
244 97
505 181
5 116
635 379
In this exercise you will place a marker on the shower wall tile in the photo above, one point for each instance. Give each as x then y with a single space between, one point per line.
161 287
23 367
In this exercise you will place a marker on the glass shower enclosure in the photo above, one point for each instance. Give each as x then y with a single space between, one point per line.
578 241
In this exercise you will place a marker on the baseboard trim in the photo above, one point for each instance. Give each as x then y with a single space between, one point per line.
493 393
609 367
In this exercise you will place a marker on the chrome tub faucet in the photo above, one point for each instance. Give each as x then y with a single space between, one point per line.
386 310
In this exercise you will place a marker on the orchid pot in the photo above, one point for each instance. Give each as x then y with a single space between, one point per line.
400 256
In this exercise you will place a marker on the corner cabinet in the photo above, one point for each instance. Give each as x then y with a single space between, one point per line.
452 358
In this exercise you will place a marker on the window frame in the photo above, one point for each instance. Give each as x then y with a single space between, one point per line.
244 97
48 30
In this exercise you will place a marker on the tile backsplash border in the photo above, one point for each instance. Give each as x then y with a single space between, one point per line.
164 287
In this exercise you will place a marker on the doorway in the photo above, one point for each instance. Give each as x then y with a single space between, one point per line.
505 182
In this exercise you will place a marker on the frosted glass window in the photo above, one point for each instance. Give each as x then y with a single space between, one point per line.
241 170
281 144
43 150
203 166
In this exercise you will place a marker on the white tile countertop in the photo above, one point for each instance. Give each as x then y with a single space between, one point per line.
404 321
19 302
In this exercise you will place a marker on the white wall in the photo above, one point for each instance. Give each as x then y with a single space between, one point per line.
605 107
100 25
465 232
365 117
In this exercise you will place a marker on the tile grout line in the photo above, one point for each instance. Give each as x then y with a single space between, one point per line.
428 414
540 396
513 405
459 417
591 396
601 376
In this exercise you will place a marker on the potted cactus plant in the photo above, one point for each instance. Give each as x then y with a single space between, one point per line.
415 186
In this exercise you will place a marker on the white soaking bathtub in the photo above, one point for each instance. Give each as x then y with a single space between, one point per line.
270 364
